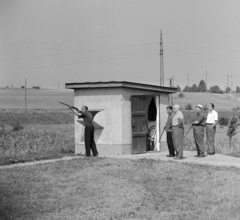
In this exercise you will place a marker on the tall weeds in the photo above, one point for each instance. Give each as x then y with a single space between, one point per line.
29 146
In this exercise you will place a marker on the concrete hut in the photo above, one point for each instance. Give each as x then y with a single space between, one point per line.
128 117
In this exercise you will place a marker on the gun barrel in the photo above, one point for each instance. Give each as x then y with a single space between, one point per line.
64 104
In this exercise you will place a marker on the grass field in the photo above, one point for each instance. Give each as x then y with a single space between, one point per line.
221 101
119 189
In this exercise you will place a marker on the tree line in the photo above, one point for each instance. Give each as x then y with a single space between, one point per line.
201 87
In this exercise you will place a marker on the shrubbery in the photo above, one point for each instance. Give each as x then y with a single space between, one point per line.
181 95
188 107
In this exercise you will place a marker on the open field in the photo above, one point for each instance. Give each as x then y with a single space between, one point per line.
119 189
221 101
36 99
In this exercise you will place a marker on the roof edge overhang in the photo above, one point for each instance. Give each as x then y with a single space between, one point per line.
120 84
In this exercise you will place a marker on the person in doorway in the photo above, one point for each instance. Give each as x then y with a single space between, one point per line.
198 131
168 128
90 144
212 120
178 132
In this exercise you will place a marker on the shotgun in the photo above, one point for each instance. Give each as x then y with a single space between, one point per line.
188 131
161 134
69 106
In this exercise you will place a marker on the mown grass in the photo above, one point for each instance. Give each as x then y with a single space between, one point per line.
119 189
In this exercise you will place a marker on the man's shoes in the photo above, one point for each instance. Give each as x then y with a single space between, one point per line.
196 155
208 153
170 155
211 153
201 155
97 155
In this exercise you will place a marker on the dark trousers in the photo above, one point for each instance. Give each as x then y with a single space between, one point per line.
198 133
170 143
89 141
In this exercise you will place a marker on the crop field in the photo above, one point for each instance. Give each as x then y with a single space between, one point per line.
36 99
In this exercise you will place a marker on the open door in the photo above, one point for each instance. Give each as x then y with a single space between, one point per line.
139 126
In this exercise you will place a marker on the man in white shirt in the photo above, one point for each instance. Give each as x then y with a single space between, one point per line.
212 120
177 132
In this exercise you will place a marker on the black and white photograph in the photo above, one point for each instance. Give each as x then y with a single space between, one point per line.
119 109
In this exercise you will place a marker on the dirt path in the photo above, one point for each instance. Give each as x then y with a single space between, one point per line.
215 160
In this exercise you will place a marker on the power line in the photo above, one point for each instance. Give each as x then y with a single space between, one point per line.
82 59
117 58
83 51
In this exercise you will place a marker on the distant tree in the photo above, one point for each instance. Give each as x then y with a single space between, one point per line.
228 89
179 88
187 89
36 87
202 86
215 89
238 89
194 88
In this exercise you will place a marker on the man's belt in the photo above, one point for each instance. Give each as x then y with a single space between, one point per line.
209 123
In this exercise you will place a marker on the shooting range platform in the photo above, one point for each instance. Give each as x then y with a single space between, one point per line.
126 114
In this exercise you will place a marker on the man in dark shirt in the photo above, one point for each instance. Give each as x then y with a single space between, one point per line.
198 131
168 128
88 132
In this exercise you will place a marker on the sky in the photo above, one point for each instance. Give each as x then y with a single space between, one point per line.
51 42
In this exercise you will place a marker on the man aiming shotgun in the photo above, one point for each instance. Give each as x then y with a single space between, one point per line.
89 129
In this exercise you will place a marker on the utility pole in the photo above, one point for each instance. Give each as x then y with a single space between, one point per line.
228 84
171 85
188 81
161 61
25 95
206 81
173 81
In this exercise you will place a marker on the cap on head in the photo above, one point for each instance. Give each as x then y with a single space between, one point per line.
200 106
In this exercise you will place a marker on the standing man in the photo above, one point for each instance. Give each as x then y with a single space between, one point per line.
88 131
212 120
198 131
178 132
168 128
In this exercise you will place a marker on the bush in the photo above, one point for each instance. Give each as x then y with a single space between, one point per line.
236 108
205 107
17 126
223 121
181 95
188 107
232 128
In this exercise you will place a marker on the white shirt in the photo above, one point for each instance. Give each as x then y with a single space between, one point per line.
212 117
178 116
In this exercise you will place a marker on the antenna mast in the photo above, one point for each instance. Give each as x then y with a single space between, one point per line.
161 61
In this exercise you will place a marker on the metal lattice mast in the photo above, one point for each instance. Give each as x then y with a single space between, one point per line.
161 61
